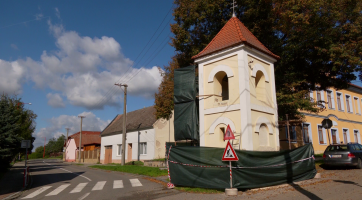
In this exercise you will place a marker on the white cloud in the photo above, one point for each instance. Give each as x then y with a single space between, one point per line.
58 124
82 69
57 13
14 46
55 100
39 16
11 77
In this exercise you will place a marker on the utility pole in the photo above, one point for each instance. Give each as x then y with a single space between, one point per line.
80 137
66 144
124 123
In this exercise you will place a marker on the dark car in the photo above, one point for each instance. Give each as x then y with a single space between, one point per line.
349 154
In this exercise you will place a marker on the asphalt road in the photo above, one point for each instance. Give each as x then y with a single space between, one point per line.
54 180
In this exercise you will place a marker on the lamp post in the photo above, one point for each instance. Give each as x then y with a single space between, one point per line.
21 103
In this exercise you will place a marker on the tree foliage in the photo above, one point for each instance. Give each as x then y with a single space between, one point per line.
319 43
55 145
16 124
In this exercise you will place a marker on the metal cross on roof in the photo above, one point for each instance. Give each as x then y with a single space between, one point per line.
234 6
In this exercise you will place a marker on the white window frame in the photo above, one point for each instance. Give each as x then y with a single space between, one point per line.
358 108
342 101
311 96
119 147
309 131
348 135
350 103
332 99
358 136
324 135
143 145
337 135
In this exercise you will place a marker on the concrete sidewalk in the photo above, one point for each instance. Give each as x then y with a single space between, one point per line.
12 181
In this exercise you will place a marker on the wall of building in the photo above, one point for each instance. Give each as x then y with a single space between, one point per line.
342 119
164 132
71 151
147 136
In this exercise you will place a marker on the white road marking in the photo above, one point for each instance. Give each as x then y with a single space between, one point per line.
135 182
37 192
99 185
117 184
71 172
84 196
79 187
58 190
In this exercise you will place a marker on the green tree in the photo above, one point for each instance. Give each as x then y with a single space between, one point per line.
54 145
319 42
16 124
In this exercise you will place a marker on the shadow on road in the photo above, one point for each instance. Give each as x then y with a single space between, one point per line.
289 168
348 182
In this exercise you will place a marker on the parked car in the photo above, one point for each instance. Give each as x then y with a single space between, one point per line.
349 154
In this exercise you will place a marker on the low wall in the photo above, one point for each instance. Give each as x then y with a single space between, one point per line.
92 156
152 163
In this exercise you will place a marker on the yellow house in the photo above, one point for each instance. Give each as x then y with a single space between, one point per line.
237 88
343 107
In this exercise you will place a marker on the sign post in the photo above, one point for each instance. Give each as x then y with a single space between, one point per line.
327 124
25 144
230 155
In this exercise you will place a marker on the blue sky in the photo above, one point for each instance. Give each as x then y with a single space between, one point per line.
65 56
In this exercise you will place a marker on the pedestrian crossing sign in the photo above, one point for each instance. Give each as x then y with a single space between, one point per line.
229 135
229 153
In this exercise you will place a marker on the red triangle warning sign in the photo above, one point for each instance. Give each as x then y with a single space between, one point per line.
229 153
229 135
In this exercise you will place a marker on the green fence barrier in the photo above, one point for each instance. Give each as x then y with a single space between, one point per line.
202 167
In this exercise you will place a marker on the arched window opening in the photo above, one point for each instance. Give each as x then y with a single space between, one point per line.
225 88
260 86
221 86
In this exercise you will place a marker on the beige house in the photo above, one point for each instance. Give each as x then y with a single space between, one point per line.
237 88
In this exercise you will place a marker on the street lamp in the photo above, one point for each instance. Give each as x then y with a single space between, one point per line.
21 103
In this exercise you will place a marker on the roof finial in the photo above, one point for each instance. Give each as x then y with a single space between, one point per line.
234 6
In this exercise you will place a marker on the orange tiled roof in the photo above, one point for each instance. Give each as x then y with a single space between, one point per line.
88 137
233 33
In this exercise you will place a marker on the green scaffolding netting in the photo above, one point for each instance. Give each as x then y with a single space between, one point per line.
186 105
261 169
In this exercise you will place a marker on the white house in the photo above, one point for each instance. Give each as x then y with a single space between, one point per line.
145 138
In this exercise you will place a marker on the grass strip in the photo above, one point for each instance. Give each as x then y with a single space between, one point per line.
200 190
134 169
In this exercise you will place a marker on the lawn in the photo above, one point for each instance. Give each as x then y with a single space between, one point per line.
134 169
200 190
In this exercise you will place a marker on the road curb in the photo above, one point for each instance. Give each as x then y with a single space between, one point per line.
16 195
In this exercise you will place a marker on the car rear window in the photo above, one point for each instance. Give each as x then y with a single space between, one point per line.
337 148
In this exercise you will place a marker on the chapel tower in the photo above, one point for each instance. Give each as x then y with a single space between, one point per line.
237 88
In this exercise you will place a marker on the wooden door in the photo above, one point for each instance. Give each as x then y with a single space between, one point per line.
334 137
108 155
129 154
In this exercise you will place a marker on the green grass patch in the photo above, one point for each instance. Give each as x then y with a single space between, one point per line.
200 190
134 169
318 155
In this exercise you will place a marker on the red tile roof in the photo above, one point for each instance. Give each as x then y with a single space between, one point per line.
88 137
233 33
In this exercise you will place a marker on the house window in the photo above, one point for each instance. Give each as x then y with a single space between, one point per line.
119 149
320 134
347 102
225 88
356 136
339 101
329 97
357 105
306 133
143 148
334 136
318 97
292 132
260 86
345 135
222 131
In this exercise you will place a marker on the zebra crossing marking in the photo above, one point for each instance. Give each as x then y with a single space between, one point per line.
99 185
117 184
37 192
78 188
58 190
135 182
